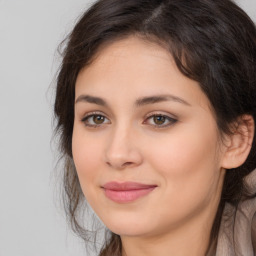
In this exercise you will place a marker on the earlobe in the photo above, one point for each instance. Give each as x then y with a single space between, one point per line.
239 142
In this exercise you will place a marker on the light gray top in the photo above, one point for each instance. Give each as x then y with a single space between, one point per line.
237 235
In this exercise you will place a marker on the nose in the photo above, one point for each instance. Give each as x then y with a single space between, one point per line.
122 151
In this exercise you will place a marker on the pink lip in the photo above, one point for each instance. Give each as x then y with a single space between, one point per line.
127 191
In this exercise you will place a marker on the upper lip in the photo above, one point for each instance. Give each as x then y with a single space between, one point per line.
126 186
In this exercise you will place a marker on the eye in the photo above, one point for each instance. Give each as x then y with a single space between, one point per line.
160 120
94 120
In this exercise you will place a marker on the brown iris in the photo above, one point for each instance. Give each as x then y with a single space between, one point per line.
97 119
159 119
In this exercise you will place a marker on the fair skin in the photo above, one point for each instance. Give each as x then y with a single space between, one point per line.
179 151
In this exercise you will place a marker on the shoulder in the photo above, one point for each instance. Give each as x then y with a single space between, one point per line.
237 234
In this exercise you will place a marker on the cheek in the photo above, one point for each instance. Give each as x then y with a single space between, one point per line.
189 174
86 154
185 148
187 162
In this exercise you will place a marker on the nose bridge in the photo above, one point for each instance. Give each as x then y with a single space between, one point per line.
122 149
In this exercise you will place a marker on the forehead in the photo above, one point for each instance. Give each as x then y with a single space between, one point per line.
135 67
130 52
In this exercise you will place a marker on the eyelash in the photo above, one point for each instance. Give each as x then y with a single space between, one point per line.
171 120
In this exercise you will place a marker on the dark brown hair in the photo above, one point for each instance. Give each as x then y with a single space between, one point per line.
212 42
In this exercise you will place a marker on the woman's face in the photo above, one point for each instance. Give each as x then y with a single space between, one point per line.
145 142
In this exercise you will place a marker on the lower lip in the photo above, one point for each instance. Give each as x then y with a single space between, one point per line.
127 195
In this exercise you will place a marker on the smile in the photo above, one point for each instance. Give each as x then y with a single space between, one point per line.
126 192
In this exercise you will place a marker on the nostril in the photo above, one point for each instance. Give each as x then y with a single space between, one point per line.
119 165
127 163
120 158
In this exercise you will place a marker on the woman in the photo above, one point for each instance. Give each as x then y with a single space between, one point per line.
156 108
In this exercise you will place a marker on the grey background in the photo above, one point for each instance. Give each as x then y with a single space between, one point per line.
31 222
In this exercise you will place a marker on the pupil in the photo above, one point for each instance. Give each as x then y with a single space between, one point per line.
98 119
159 119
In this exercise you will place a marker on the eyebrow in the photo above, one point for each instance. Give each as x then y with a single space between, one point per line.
138 103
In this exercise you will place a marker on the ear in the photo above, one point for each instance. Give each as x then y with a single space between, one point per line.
239 143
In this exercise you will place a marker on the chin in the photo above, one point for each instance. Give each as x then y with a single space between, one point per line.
129 230
129 225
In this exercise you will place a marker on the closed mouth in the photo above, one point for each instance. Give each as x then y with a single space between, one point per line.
126 192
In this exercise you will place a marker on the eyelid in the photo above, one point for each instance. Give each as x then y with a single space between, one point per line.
161 113
172 119
90 114
94 113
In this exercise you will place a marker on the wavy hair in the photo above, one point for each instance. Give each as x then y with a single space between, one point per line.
212 42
